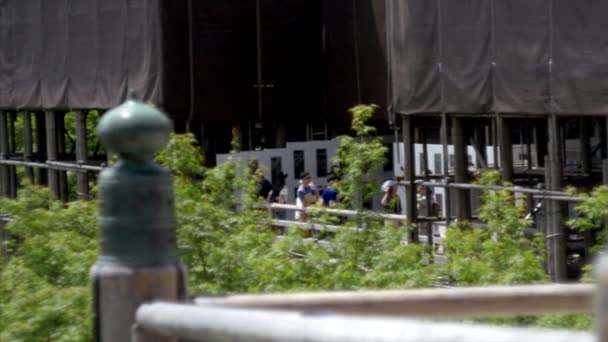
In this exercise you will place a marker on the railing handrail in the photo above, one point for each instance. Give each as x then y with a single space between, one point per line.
339 212
427 303
199 323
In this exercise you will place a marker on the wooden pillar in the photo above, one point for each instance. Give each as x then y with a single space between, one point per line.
426 226
495 143
61 150
506 148
477 141
41 146
409 173
12 117
27 144
5 178
547 228
51 152
82 154
280 136
556 238
585 145
446 166
463 202
528 147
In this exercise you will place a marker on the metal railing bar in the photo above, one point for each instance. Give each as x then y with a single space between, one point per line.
211 324
339 212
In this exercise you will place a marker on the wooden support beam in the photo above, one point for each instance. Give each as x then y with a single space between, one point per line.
82 178
28 144
409 172
506 148
556 238
61 151
51 152
585 145
12 117
463 202
446 166
5 178
41 177
426 209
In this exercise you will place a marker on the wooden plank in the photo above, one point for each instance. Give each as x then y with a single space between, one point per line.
427 303
196 323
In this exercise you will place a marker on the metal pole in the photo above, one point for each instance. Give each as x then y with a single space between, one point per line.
408 173
556 237
463 203
506 148
51 152
28 144
82 178
137 259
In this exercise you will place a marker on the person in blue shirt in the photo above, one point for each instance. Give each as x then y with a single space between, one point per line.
330 194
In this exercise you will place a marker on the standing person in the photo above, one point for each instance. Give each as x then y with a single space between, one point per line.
330 194
307 195
279 194
390 200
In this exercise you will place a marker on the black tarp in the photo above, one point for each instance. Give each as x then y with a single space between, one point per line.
71 54
495 56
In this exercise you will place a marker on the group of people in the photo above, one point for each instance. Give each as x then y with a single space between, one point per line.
309 194
425 202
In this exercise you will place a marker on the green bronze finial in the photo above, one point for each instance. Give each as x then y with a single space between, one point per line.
137 214
134 130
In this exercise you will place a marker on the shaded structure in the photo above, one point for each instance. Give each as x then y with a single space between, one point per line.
487 74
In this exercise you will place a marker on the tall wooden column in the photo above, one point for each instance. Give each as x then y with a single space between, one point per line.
506 148
41 177
82 154
51 152
12 117
61 150
446 167
463 202
585 145
28 144
556 239
5 180
409 172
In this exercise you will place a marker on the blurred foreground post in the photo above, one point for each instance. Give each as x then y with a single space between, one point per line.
138 260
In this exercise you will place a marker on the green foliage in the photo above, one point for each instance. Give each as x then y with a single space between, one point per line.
500 254
360 158
228 243
44 287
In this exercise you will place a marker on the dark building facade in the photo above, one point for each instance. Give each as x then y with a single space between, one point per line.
273 70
